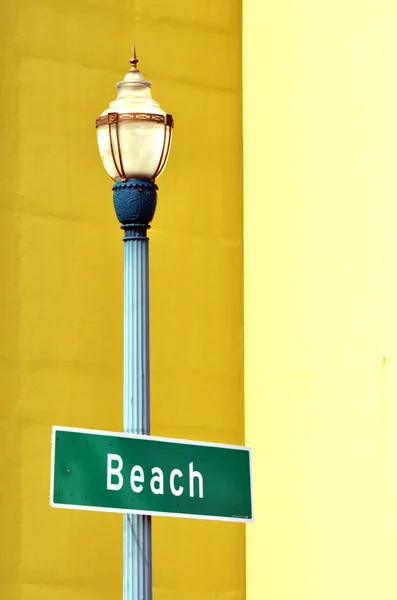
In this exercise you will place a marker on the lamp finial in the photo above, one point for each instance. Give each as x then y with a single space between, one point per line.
133 60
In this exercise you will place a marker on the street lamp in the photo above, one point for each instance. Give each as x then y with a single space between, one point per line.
134 138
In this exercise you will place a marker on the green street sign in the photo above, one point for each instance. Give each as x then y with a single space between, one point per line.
121 472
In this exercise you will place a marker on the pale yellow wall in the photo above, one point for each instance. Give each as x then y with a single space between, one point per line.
61 280
320 131
320 209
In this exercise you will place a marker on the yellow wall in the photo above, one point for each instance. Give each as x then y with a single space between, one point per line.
61 280
320 130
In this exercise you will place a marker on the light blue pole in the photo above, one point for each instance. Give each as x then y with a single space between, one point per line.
137 557
135 203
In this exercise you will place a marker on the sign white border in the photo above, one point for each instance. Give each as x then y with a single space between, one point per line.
53 504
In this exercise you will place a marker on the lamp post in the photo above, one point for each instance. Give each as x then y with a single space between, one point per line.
134 138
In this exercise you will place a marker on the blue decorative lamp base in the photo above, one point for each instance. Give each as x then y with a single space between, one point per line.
135 202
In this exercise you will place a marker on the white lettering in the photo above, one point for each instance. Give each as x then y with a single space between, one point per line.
158 478
115 479
116 471
192 476
137 476
179 490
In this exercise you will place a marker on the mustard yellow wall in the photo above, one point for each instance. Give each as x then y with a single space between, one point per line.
320 131
61 280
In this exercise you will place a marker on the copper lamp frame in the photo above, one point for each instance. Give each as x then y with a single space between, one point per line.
113 119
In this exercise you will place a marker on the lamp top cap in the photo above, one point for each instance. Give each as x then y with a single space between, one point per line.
134 76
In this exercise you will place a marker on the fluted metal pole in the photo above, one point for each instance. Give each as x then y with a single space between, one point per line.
137 555
135 203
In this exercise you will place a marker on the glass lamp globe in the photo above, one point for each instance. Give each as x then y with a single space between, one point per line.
134 133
